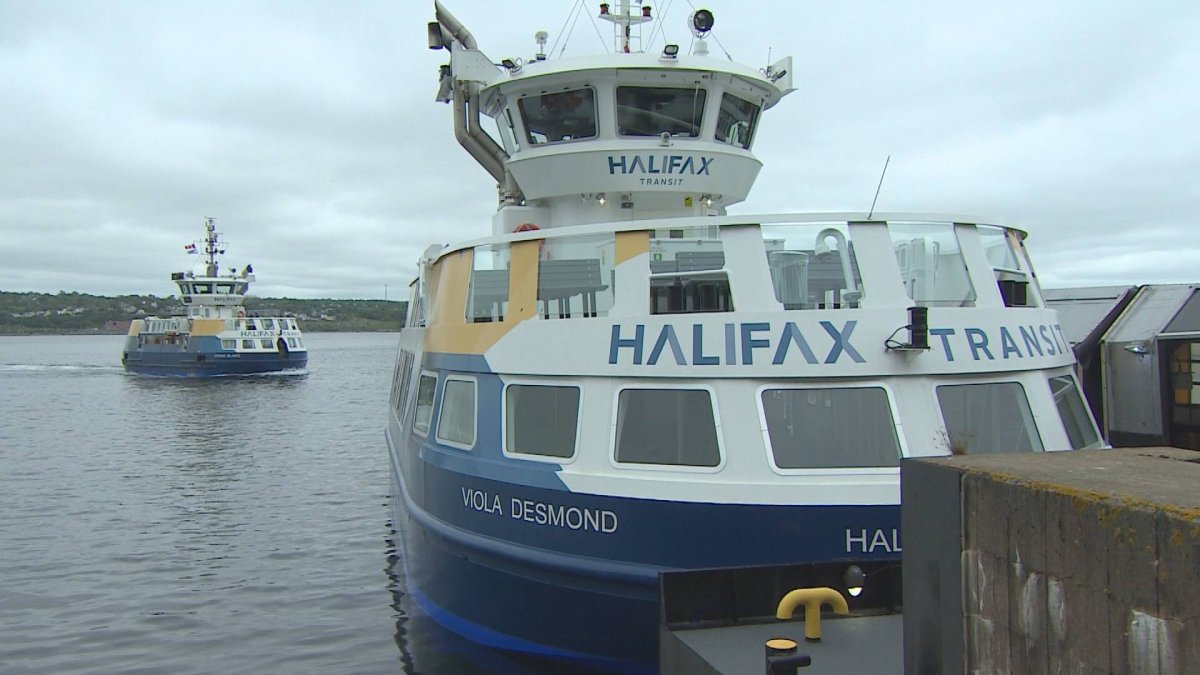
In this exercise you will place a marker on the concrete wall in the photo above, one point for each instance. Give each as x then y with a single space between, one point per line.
1073 562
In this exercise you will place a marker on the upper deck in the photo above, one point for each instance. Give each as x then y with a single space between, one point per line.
810 279
614 137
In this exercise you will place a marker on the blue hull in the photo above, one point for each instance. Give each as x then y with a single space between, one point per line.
485 561
211 365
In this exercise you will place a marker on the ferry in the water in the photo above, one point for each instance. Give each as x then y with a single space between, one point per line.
623 380
215 335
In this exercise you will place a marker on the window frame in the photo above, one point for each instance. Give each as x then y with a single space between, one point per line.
433 403
941 415
527 135
551 459
441 409
697 91
722 455
1079 398
893 410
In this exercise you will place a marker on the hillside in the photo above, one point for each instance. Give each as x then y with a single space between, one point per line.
41 313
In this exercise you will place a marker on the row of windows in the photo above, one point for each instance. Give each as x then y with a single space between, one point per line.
261 343
571 115
826 428
207 288
812 266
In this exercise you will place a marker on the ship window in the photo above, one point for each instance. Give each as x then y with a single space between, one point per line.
247 344
652 111
931 264
203 288
186 289
487 297
1078 424
830 428
1000 247
687 272
541 420
400 379
265 343
735 122
229 344
666 426
559 116
813 265
269 324
424 413
456 424
508 132
225 288
988 418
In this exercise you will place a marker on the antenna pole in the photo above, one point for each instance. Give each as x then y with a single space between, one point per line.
877 187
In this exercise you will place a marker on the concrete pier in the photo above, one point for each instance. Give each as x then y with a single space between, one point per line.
1073 562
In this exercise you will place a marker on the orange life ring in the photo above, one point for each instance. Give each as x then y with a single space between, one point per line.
241 313
526 227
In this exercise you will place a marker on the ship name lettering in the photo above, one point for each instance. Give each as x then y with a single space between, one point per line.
1025 342
482 501
568 517
739 344
871 541
659 164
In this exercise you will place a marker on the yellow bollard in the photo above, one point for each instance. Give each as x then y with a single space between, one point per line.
812 599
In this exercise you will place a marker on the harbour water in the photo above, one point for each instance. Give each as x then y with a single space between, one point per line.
229 525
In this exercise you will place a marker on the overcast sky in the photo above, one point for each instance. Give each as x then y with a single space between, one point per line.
309 130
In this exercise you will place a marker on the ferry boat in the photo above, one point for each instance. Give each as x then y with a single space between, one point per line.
215 336
622 379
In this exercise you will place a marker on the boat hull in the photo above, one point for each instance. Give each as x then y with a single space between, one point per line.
183 364
587 585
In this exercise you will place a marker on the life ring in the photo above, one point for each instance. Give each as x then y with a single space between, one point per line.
241 313
526 227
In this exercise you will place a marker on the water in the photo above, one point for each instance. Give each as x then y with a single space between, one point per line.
230 525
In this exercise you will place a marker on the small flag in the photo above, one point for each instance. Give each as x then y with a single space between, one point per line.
190 248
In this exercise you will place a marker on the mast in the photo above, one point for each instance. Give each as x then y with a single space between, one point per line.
211 247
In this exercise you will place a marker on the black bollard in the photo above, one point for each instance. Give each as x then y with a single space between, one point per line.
783 657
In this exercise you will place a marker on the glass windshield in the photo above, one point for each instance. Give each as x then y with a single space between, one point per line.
735 122
651 111
559 116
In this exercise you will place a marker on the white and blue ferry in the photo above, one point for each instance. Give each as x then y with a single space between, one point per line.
622 379
215 335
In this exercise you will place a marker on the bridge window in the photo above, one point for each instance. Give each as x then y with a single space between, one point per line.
559 116
1071 408
736 121
666 426
652 111
203 288
456 425
988 418
813 265
830 428
931 264
541 420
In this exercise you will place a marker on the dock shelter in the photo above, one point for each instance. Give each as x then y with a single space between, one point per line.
1138 349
